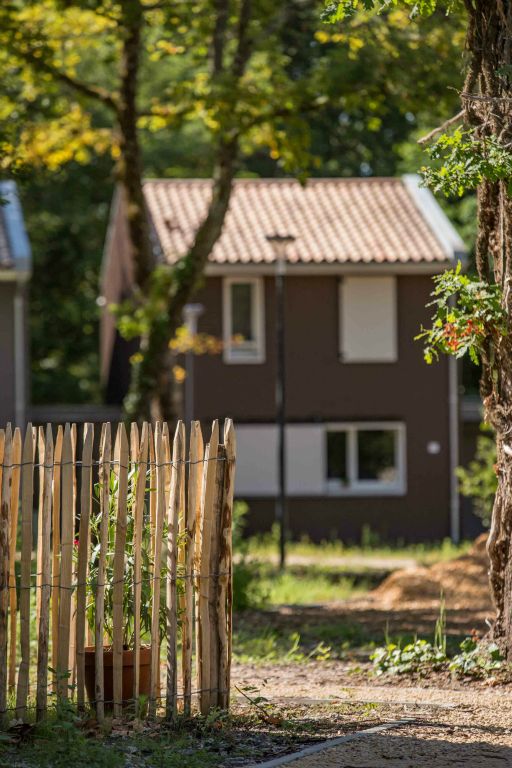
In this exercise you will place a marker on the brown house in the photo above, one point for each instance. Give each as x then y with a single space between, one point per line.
372 432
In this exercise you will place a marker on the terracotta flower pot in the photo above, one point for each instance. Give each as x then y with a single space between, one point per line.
128 670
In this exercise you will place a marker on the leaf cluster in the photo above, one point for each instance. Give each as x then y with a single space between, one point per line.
476 659
338 10
466 161
420 656
147 578
468 316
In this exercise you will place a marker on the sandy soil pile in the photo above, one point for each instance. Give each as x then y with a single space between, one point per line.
463 581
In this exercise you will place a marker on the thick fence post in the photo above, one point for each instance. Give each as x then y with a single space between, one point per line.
27 496
178 456
5 503
99 682
15 489
191 513
66 565
207 500
225 592
141 456
157 566
83 557
121 469
44 610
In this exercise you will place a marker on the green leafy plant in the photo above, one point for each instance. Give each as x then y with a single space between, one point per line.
476 658
466 161
337 10
419 656
147 565
468 316
478 481
248 591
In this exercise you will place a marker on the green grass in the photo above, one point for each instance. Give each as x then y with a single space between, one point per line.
265 547
310 585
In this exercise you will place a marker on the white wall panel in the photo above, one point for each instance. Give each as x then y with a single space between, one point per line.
256 460
305 459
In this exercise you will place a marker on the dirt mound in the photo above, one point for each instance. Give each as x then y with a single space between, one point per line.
463 581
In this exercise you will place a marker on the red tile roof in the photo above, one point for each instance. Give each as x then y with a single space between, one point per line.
375 220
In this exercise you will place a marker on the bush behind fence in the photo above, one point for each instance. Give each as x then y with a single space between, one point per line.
133 549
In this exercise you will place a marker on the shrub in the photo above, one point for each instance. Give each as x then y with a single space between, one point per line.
478 480
476 659
247 589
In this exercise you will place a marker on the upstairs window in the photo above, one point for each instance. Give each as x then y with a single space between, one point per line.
243 320
367 317
366 458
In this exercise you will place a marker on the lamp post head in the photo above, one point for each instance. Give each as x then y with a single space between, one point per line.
279 244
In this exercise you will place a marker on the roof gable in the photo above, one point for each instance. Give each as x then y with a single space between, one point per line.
385 221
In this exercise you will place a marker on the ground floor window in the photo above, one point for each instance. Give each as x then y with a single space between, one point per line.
365 458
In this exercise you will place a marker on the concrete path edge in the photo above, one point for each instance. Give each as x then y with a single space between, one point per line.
324 745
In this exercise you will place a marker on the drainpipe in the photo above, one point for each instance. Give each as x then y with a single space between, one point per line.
453 416
19 356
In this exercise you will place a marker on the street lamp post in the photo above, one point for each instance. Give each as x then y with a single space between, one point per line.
191 313
279 245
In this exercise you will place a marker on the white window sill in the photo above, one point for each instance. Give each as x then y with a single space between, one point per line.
253 359
369 489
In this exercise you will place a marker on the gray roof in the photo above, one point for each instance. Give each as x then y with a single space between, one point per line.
15 253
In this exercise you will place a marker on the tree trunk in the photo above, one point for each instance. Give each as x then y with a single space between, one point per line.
129 166
487 100
150 393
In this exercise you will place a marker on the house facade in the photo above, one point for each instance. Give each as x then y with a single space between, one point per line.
372 434
15 271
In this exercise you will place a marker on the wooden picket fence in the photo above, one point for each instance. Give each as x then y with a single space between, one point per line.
178 507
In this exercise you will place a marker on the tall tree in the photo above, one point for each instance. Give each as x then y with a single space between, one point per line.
329 104
477 155
233 73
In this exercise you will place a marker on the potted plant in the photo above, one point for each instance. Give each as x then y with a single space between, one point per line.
128 596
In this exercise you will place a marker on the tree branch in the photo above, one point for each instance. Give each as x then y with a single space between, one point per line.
243 50
219 35
95 92
440 128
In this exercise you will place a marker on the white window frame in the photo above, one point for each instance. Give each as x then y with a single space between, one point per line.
342 353
355 486
237 355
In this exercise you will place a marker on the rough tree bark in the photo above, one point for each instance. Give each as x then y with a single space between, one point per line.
487 102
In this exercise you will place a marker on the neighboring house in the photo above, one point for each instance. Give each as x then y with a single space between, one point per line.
372 435
15 271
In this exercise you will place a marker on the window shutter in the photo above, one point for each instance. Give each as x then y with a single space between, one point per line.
368 320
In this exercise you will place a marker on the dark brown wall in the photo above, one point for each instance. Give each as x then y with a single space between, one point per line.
320 388
7 413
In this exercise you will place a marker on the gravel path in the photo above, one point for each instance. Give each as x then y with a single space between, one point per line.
470 726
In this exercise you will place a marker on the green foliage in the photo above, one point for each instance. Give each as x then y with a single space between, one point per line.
59 743
343 9
314 100
147 563
468 317
418 657
466 161
476 659
248 590
478 481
